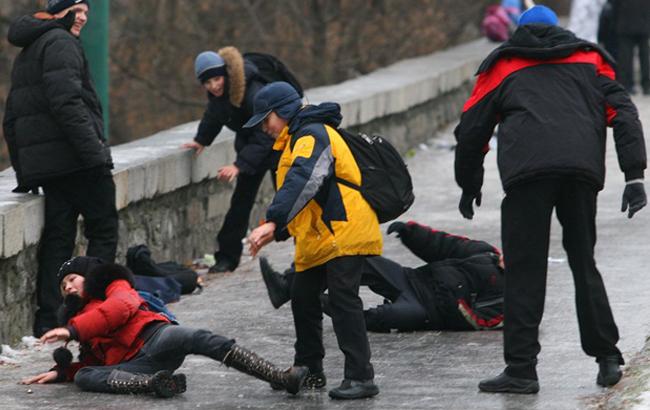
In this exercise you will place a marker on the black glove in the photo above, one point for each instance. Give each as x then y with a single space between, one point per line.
633 197
398 227
465 205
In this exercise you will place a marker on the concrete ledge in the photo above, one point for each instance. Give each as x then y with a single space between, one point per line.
408 101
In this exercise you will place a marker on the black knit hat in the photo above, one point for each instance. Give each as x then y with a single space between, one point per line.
55 6
81 265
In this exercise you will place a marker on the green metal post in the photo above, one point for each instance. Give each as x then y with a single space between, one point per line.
94 38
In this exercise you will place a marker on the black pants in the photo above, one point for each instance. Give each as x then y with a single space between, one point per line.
342 277
165 350
91 194
235 224
388 279
525 222
626 46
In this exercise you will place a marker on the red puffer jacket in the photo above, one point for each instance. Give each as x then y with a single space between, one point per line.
109 324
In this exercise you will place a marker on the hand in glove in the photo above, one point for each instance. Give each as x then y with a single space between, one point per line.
465 205
634 198
398 227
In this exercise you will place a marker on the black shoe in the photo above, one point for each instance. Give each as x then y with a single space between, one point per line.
354 389
223 265
276 283
315 381
508 384
609 371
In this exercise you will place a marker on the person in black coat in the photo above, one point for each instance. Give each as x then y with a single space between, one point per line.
553 95
231 82
55 134
459 288
632 27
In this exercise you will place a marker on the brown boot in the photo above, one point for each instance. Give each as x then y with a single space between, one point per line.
162 383
250 363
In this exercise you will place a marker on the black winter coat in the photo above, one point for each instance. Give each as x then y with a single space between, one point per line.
553 96
53 120
632 17
254 148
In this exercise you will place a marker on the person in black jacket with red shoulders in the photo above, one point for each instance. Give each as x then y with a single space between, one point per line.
55 134
553 95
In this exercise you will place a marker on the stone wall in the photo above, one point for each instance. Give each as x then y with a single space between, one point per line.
169 199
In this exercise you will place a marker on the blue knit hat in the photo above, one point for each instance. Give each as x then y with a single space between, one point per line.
55 6
538 15
209 64
280 97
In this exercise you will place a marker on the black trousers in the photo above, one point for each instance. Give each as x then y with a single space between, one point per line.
165 350
92 195
626 46
405 312
235 224
342 277
525 222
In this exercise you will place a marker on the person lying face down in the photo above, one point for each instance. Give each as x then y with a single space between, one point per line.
459 288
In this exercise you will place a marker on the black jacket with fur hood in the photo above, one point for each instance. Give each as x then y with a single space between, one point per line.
233 109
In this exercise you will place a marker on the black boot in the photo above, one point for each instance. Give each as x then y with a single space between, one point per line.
315 380
250 363
162 383
509 384
277 285
224 264
354 389
609 371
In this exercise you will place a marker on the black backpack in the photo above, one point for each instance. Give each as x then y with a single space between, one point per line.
271 69
385 180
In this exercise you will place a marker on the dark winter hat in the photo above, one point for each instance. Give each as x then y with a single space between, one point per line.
538 15
81 265
55 6
280 97
209 64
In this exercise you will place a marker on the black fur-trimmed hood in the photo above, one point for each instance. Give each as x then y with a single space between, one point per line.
99 278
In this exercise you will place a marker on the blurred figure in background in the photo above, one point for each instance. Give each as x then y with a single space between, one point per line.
632 24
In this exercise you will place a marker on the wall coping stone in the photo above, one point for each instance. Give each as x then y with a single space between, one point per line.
157 165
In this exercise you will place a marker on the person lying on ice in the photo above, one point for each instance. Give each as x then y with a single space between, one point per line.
460 287
127 348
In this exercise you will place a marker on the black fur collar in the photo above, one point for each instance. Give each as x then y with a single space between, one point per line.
99 278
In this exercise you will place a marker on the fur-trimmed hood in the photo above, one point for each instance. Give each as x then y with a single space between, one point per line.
99 278
236 74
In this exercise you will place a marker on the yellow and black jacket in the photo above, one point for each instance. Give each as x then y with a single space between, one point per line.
326 218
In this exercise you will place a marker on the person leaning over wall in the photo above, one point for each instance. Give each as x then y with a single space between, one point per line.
128 348
55 134
231 82
333 227
553 96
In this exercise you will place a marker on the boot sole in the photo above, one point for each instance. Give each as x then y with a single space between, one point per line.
528 389
267 276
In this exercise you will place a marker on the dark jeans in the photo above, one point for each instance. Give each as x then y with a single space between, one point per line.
388 279
235 224
626 46
90 194
342 277
165 350
525 222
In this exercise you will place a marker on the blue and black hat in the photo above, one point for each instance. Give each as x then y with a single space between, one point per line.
538 15
209 64
280 97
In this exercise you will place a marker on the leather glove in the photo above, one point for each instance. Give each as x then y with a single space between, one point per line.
634 198
465 205
398 227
